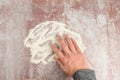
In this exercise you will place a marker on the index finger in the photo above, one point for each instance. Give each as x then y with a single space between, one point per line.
57 51
63 44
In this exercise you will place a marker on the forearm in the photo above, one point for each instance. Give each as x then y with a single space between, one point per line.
84 74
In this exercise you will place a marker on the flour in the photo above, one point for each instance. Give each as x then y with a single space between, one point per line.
41 36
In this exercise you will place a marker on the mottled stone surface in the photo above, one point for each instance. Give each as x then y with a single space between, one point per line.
98 22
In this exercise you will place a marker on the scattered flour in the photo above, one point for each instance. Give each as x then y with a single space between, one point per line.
41 36
101 19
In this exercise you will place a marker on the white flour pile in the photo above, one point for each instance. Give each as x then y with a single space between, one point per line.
42 35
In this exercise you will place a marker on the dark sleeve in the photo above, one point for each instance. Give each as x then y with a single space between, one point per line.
84 74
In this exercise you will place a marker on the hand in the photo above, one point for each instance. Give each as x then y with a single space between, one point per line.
70 58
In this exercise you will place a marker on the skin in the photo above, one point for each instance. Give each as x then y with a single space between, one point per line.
69 57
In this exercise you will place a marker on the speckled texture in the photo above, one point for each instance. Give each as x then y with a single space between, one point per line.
98 22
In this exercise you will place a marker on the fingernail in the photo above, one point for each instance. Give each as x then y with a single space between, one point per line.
65 35
72 39
52 45
58 36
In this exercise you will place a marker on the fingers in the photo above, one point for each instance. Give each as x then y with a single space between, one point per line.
70 46
63 44
70 43
76 45
57 51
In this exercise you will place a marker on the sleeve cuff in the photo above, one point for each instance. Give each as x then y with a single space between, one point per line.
84 74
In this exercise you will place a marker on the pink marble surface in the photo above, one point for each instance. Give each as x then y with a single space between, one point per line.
98 22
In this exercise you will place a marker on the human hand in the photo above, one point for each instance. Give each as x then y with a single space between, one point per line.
70 58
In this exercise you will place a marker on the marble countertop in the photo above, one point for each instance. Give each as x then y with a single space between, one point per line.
97 21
